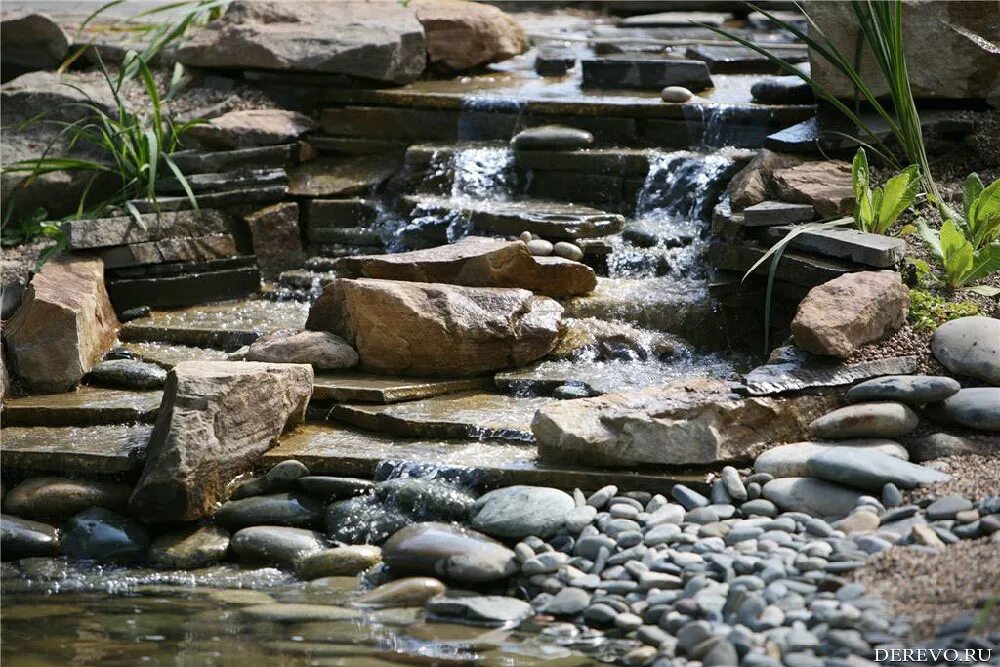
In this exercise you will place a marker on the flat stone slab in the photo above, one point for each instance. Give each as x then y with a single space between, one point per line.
91 450
774 213
241 197
335 177
224 182
555 221
791 369
644 72
256 157
226 325
332 449
737 59
875 250
121 230
168 355
795 267
187 289
185 249
86 406
369 388
468 415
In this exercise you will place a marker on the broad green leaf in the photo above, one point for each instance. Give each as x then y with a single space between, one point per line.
973 186
957 254
860 174
984 216
900 192
867 210
985 262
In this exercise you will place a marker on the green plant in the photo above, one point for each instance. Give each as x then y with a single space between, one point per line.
876 209
30 227
881 26
981 212
929 310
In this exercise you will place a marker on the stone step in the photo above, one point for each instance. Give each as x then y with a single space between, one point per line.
185 289
845 243
643 71
337 177
737 59
86 406
257 157
186 249
354 145
124 229
621 161
330 449
338 213
794 267
243 179
243 198
228 325
551 220
776 213
350 386
73 450
790 369
465 415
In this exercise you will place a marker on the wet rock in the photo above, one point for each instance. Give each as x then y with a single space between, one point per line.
382 42
782 90
970 346
602 340
792 460
477 261
425 499
516 512
552 138
21 538
463 35
843 314
885 419
321 349
450 552
128 374
977 408
909 389
676 94
687 421
339 562
328 488
190 548
64 325
276 545
815 497
31 41
568 250
437 330
363 520
402 593
826 185
245 128
276 238
567 602
282 509
205 436
58 497
101 535
485 609
644 71
869 470
282 477
287 612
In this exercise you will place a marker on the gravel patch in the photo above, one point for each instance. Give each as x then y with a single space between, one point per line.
972 476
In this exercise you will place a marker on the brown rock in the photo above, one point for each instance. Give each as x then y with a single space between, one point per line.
64 325
276 239
843 314
216 419
683 422
60 498
755 182
476 261
436 330
603 339
30 41
827 186
252 127
461 35
321 349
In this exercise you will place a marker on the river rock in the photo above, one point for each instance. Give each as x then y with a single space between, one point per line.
515 512
216 419
462 35
425 499
552 138
64 325
450 552
477 261
21 538
792 460
380 40
276 545
245 128
690 421
910 389
30 41
676 94
869 470
321 349
280 509
970 346
59 498
404 592
484 609
101 535
328 488
886 419
977 408
431 329
292 612
190 548
364 520
339 562
841 315
568 250
782 90
815 497
128 374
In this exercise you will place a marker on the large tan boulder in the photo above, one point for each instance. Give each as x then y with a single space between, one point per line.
839 316
378 39
686 422
216 419
461 35
433 329
944 58
476 261
64 325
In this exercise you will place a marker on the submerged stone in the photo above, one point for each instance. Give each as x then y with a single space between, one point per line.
402 592
106 537
190 548
287 612
339 562
450 552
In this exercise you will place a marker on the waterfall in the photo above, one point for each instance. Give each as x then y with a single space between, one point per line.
719 125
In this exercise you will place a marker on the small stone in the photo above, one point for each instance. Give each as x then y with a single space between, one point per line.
676 94
948 507
409 591
601 497
540 247
190 549
339 562
639 656
21 538
759 507
552 138
925 535
280 509
568 250
567 602
859 522
276 545
514 512
450 552
688 498
322 349
487 609
891 495
734 485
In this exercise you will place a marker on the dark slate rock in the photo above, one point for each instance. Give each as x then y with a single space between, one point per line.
106 537
911 389
782 90
791 369
329 488
774 213
128 374
845 243
645 72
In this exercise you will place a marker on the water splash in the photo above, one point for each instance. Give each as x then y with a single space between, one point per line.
720 125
